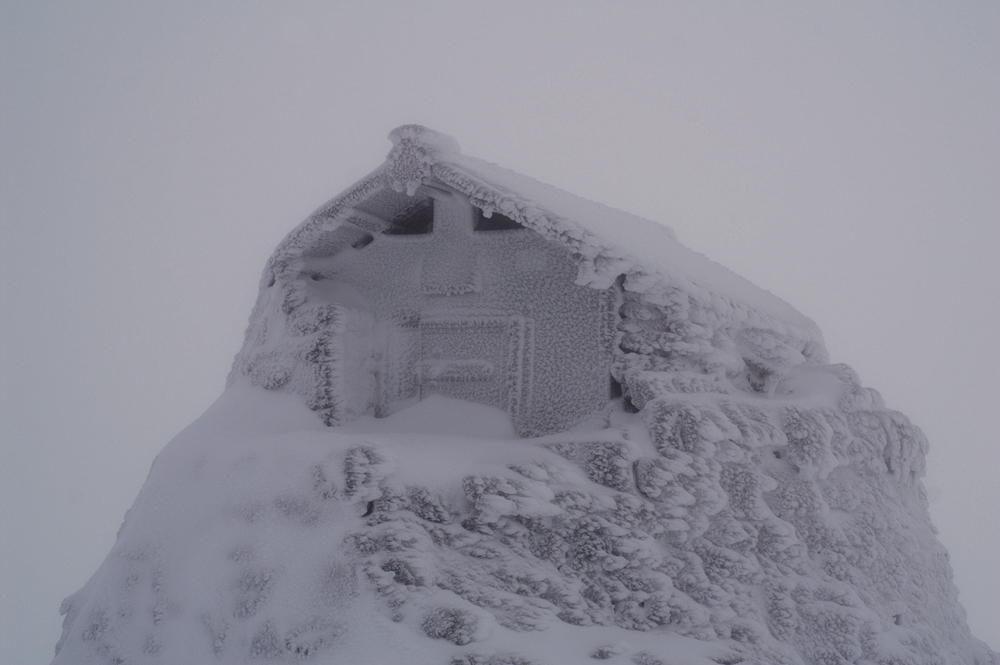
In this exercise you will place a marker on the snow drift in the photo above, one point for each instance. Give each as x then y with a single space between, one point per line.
375 487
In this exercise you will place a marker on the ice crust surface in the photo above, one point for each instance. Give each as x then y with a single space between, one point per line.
729 497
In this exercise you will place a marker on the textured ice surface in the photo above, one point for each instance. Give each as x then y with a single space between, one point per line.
489 495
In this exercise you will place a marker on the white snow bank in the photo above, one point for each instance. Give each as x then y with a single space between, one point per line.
237 549
440 416
707 530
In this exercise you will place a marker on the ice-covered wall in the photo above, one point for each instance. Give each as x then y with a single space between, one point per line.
654 314
447 302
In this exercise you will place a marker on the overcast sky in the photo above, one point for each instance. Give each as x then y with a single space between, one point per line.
844 156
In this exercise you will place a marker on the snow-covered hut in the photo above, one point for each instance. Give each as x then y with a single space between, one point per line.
439 273
744 503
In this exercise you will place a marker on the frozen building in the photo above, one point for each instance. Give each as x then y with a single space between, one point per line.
440 273
557 436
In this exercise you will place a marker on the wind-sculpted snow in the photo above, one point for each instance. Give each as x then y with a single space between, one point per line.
694 486
782 530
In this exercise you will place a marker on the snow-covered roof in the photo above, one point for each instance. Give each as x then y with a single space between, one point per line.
608 242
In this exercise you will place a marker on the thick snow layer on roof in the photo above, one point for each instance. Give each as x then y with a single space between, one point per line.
649 246
611 242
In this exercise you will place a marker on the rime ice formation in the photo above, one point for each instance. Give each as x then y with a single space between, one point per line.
380 296
480 421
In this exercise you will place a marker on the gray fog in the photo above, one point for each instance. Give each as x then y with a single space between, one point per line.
844 157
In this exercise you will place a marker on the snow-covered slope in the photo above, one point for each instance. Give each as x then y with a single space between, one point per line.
741 501
790 530
250 542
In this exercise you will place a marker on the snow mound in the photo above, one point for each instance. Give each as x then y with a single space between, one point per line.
716 529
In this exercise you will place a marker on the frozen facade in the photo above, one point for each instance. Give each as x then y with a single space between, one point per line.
480 421
439 273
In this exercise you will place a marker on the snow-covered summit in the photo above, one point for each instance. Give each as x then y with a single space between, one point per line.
480 421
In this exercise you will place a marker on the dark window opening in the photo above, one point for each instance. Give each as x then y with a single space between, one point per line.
415 220
333 242
363 241
618 391
495 222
